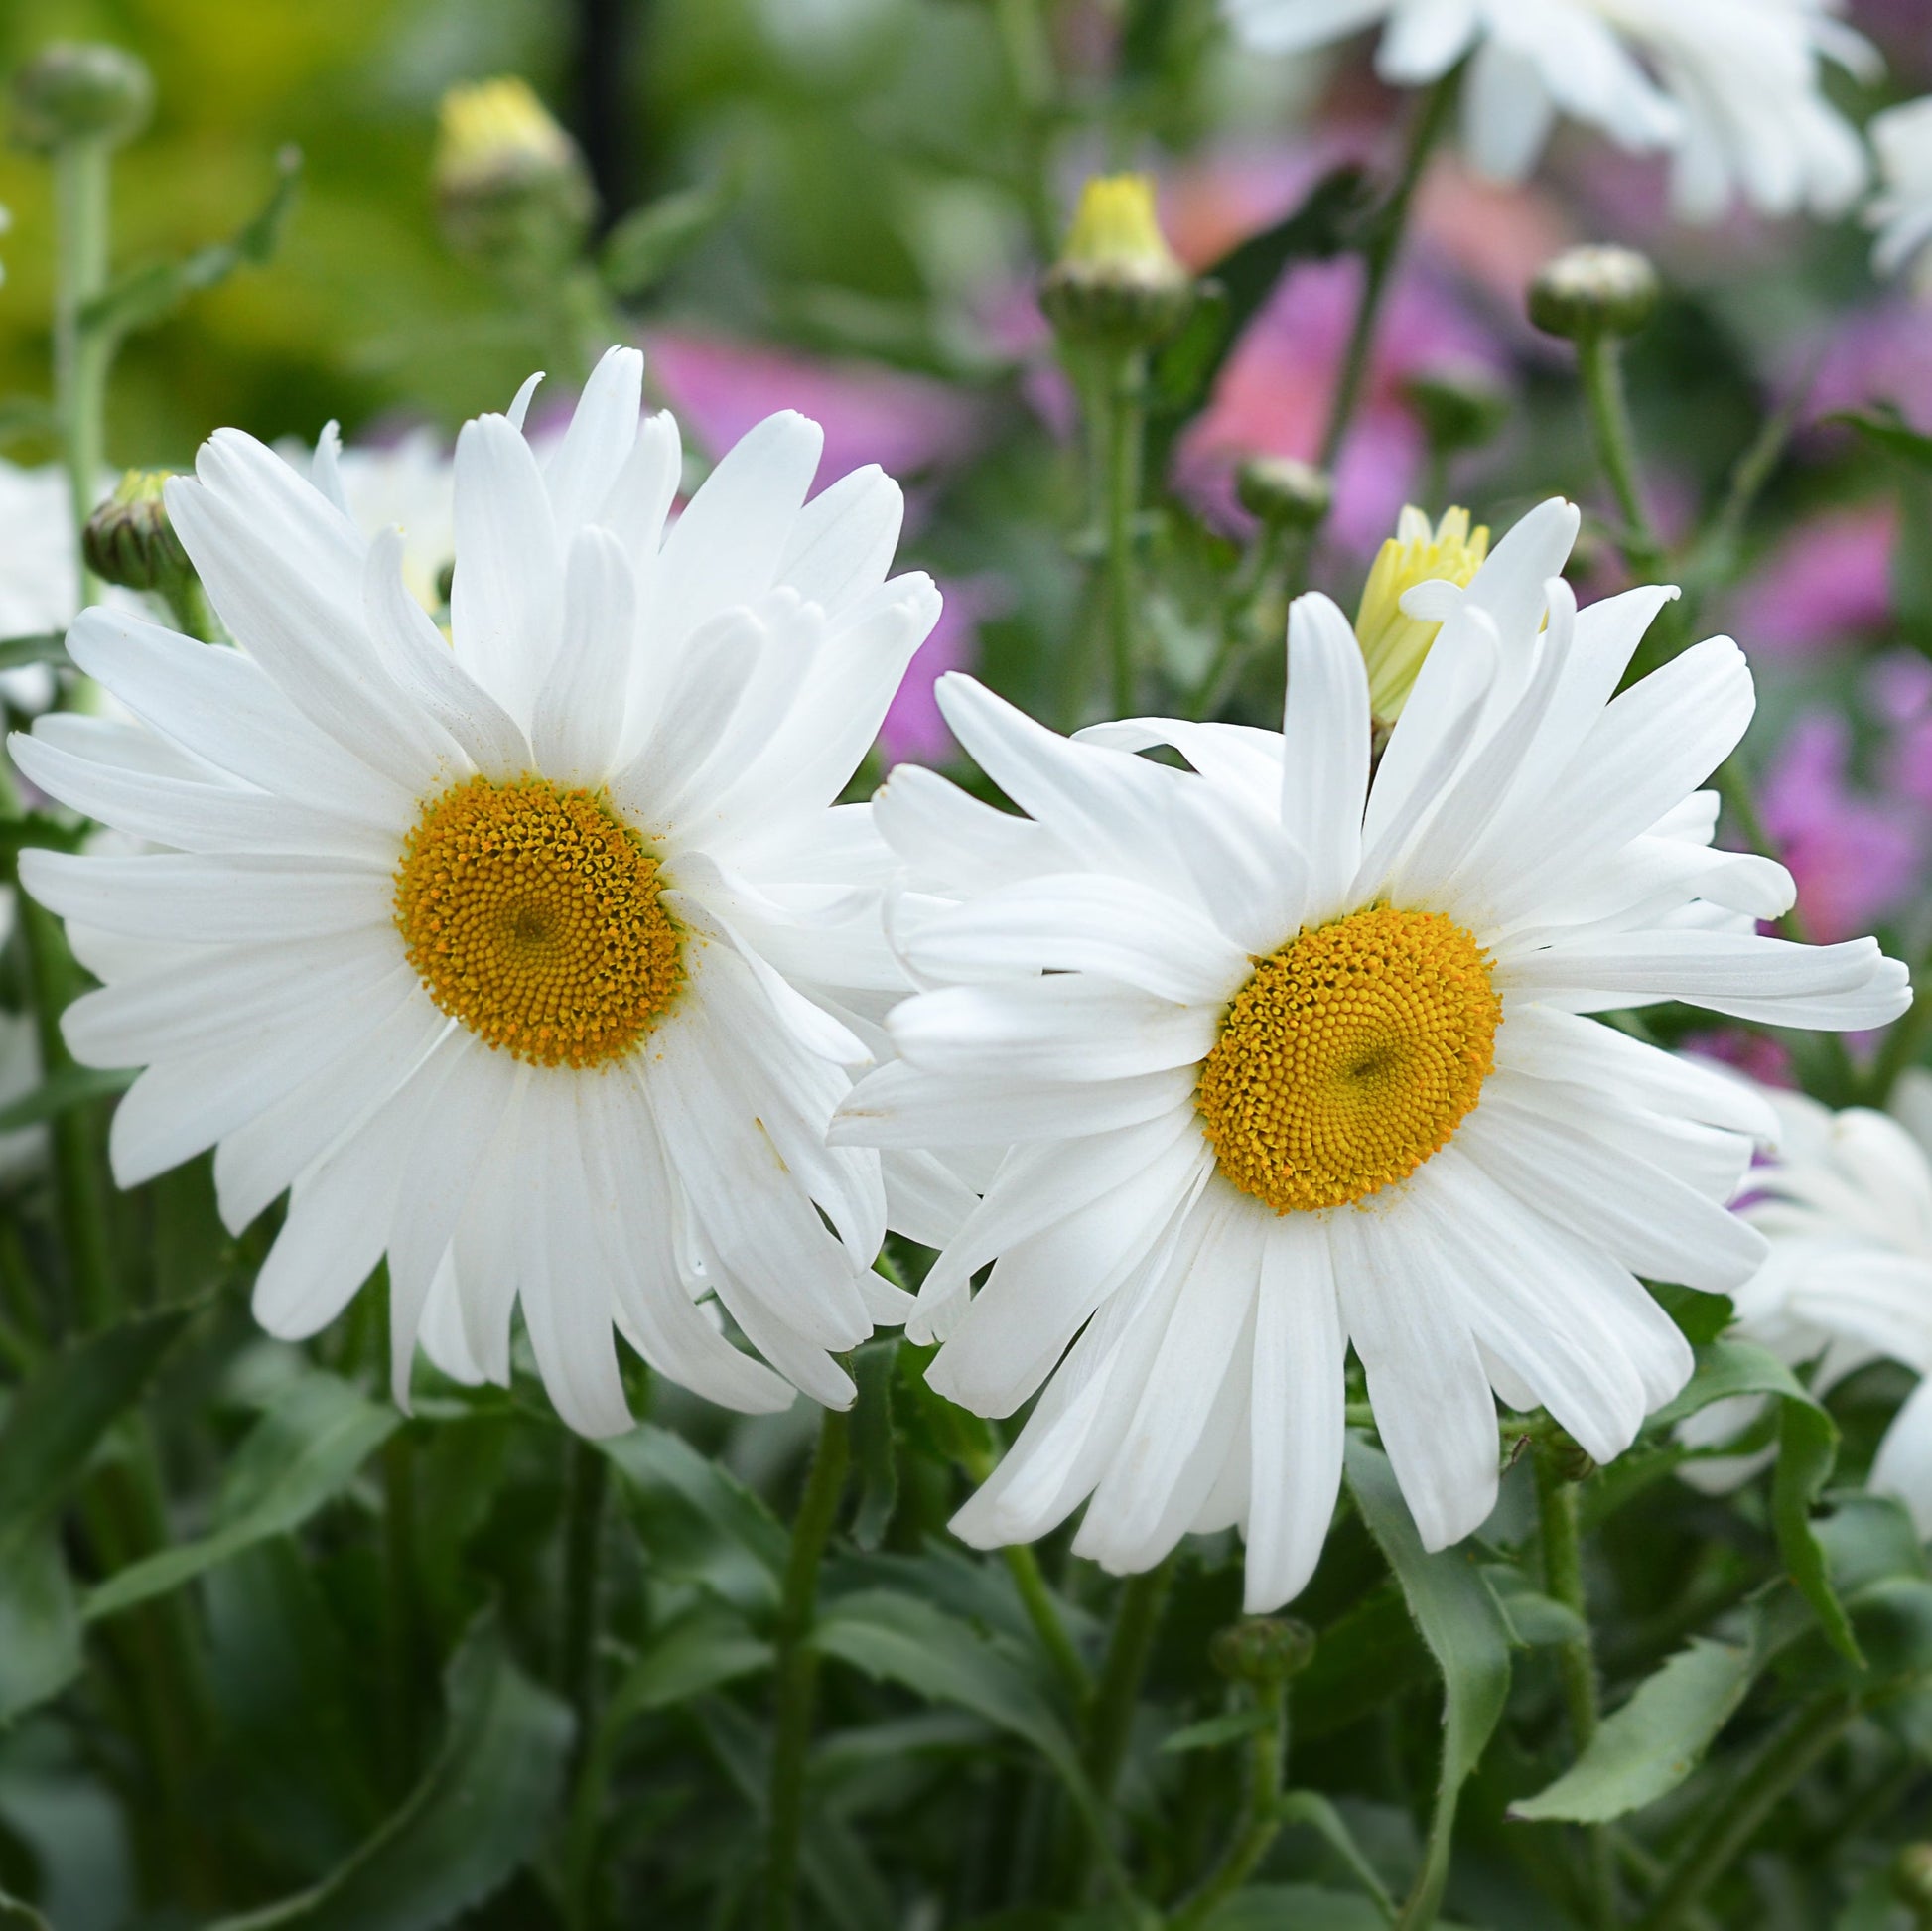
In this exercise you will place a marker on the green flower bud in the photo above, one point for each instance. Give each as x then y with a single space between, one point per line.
1458 409
1282 491
1117 281
81 92
1594 290
1569 1461
129 540
511 186
1262 1649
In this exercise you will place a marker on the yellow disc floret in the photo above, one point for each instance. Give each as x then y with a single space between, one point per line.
535 916
1349 1058
1394 643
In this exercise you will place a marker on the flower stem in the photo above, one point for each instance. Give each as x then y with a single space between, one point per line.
1126 427
1563 1577
1599 362
403 1607
82 171
797 1666
1380 251
588 1481
1044 1613
1028 55
1118 1693
1740 1807
1268 1750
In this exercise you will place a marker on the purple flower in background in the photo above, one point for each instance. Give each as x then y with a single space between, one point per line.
1882 353
914 731
1900 689
1828 581
1853 857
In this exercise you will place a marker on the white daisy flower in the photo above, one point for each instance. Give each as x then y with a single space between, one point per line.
1845 1203
1730 88
1290 1058
1901 211
516 958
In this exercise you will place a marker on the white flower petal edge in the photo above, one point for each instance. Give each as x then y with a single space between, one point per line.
711 680
1081 964
1730 89
1846 1205
1901 211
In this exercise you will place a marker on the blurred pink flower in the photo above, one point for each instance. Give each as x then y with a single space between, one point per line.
914 731
909 425
1826 583
1853 857
1762 1057
1880 353
1900 689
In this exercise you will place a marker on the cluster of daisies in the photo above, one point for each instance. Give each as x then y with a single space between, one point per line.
536 959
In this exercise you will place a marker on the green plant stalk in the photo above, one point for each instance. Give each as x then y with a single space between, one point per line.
1137 1620
402 1607
1563 1577
797 1666
1275 555
1735 1812
1380 253
1266 1756
1600 365
81 355
588 1478
188 605
1044 1613
1124 442
1028 57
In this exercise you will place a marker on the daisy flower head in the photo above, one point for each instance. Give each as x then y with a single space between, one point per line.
1731 90
1845 1204
1901 211
1289 1058
513 956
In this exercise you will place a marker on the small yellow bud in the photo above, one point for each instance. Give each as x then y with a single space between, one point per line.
1116 277
129 540
1393 642
510 184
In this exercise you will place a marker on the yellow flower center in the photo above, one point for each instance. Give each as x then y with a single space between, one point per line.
535 918
1349 1058
1394 644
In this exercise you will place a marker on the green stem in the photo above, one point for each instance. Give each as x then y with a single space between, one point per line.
1275 557
1600 364
1379 254
1563 1577
81 172
589 1480
81 1197
1045 1615
188 605
1737 1811
1031 75
1267 1754
402 1606
1126 436
1118 1693
797 1666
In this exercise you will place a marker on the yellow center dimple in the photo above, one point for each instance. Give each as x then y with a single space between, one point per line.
535 916
1349 1058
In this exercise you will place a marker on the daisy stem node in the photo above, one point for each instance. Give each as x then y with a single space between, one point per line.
1563 1577
796 1668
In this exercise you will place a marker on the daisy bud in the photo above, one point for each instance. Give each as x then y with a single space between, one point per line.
1117 280
1284 493
511 186
130 541
81 92
1262 1649
1594 291
1394 643
1458 409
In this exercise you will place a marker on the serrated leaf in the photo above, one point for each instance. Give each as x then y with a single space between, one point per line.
1463 1627
302 1454
1646 1749
1211 1734
1807 1455
148 295
480 1811
698 1652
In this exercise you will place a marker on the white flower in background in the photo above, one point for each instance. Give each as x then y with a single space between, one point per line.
513 957
408 486
1730 88
1901 211
1846 1204
1289 1058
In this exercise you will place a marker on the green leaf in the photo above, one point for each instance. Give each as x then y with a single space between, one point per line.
1807 1454
482 1808
22 1916
1216 1731
874 1369
698 1652
40 1623
302 1454
146 295
1304 1907
42 647
1646 1749
1312 1808
642 247
60 1092
1536 1620
1463 1627
1884 428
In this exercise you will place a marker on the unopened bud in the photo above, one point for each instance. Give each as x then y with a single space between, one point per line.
1594 290
1458 409
510 185
1394 643
1282 491
129 540
81 92
1262 1649
1565 1456
1117 280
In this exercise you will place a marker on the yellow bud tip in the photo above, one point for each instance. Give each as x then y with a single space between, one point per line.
488 127
1394 644
1116 235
